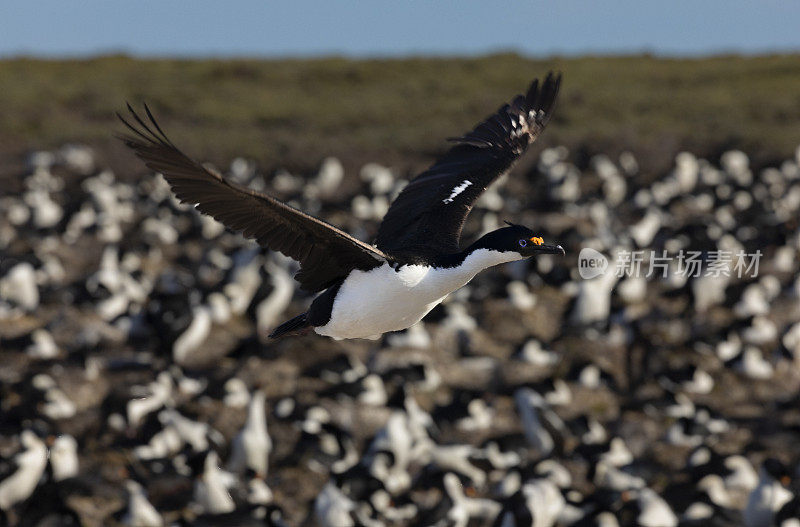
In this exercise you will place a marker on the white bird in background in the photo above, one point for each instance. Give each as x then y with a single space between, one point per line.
64 457
211 490
31 464
251 447
140 512
769 495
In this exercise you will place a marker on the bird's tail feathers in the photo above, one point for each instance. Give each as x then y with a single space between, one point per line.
296 326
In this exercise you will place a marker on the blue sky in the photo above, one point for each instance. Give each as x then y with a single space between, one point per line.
396 27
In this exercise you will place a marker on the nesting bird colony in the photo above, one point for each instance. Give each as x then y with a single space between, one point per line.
138 388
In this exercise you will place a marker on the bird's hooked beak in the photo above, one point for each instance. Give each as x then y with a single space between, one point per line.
537 246
548 249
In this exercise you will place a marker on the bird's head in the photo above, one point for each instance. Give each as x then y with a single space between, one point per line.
778 470
519 239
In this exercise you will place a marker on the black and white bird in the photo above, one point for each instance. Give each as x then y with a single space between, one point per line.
367 290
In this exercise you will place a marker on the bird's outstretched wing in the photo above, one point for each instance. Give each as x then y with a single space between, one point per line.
326 254
427 217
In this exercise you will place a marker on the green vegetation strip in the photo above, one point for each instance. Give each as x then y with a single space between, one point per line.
293 113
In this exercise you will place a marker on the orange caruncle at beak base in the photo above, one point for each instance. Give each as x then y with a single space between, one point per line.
538 240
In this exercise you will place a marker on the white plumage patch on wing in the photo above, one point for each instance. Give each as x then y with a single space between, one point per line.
458 189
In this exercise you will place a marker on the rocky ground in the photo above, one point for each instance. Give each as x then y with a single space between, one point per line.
138 386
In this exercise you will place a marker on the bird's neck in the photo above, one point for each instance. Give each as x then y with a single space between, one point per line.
475 259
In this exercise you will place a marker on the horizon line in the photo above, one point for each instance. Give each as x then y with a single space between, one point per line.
408 55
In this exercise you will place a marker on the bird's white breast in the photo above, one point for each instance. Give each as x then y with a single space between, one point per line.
385 299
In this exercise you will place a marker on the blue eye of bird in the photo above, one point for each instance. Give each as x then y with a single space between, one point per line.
523 243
